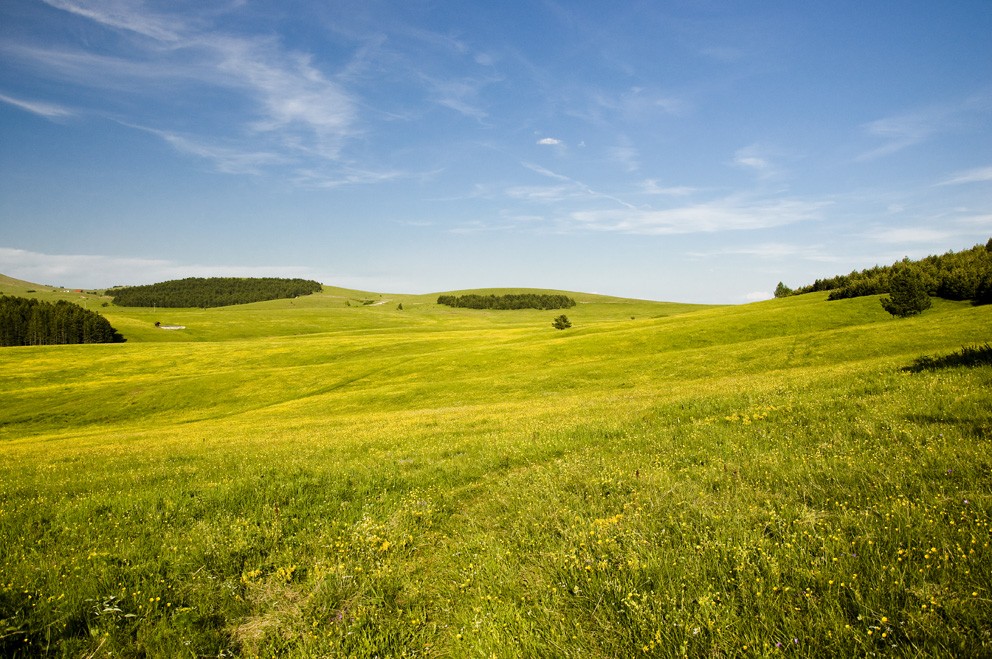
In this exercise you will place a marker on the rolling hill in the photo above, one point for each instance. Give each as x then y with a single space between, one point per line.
333 475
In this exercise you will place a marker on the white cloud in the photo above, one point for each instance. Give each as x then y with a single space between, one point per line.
651 187
571 189
905 130
101 271
460 95
627 156
765 250
729 214
130 76
47 110
671 105
636 104
910 235
348 176
898 133
772 252
979 175
725 54
299 105
752 162
982 221
757 159
283 103
544 193
545 172
124 15
549 141
225 159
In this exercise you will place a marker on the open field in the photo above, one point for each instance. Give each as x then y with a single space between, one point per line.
321 477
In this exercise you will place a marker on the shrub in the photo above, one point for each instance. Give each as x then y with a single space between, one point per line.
561 322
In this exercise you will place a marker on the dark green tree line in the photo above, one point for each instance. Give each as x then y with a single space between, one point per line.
212 291
543 301
26 322
964 275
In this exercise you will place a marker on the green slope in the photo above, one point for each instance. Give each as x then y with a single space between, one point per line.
310 478
339 310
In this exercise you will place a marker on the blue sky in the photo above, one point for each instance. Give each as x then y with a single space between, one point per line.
690 151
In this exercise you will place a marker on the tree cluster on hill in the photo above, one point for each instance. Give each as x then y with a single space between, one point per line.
964 275
543 301
26 322
212 291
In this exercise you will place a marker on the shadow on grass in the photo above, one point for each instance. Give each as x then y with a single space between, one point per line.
966 356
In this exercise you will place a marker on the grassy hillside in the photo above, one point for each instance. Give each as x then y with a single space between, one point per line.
321 477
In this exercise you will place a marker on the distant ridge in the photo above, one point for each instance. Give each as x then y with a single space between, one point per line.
6 281
13 286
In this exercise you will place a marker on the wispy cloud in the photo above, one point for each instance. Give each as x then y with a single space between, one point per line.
458 94
640 103
549 141
637 105
125 15
728 214
979 221
570 189
909 235
979 175
626 155
758 159
102 271
225 159
726 54
651 187
297 102
345 176
46 110
897 133
751 162
545 193
278 96
901 131
138 76
769 251
544 171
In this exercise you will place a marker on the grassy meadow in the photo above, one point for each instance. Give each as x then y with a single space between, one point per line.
324 477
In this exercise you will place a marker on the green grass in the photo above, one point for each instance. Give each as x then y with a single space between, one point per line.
308 478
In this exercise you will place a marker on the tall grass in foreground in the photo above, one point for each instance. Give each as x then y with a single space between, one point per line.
628 492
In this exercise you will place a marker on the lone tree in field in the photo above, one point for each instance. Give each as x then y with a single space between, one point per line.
561 322
907 292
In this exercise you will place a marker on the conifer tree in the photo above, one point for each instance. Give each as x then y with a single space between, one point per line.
907 292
